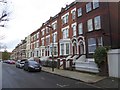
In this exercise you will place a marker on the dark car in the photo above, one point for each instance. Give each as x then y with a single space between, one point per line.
20 63
32 65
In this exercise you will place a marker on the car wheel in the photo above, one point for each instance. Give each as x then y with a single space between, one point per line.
39 70
28 70
24 69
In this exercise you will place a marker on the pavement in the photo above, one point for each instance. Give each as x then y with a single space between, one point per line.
90 78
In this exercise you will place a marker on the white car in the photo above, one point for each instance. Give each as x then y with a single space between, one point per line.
20 63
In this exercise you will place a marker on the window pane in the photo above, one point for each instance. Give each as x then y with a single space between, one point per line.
74 30
55 50
66 19
80 28
97 22
100 42
62 49
90 25
88 7
67 48
95 4
79 12
91 45
73 15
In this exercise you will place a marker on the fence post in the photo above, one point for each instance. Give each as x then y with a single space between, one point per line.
58 63
64 63
71 63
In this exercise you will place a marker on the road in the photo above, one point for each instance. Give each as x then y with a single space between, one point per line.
13 77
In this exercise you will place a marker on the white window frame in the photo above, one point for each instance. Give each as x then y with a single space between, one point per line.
62 49
37 44
88 7
54 37
48 37
56 50
42 40
54 25
37 35
80 28
90 25
79 12
65 32
65 18
97 22
74 28
43 32
100 41
67 50
91 45
95 4
73 15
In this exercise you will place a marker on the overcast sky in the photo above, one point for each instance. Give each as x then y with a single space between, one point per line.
27 16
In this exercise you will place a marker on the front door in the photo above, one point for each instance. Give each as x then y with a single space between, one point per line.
81 48
74 49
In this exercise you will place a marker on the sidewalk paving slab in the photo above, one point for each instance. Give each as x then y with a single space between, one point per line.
89 78
85 77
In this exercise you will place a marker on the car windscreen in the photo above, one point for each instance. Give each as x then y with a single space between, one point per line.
33 63
22 62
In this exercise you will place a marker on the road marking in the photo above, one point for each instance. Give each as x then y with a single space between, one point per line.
42 78
61 85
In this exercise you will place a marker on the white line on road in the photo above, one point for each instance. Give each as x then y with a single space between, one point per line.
61 85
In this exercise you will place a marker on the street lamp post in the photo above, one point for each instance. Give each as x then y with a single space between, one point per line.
52 48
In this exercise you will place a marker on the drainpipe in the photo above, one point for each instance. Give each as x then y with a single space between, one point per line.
109 25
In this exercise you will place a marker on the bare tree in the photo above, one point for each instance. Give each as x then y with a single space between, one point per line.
4 18
4 13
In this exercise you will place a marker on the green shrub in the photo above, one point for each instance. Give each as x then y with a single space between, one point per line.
100 55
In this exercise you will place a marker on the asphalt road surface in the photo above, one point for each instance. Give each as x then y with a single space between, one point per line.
13 77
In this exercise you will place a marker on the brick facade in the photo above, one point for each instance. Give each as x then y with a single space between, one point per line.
98 22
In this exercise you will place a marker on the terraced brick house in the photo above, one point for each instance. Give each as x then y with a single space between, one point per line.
34 44
76 31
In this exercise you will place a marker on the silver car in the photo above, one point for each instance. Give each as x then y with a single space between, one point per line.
20 63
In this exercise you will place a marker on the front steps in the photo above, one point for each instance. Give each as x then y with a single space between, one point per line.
88 66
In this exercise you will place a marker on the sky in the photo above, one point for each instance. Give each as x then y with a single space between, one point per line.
27 16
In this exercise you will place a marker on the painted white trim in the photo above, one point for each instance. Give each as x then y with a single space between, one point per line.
43 29
42 38
65 15
74 24
47 36
54 22
67 27
54 33
73 10
64 43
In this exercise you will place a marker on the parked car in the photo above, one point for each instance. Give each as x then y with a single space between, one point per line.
32 65
20 63
9 61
